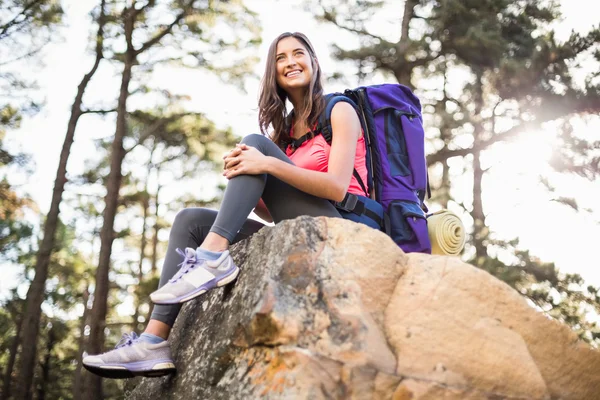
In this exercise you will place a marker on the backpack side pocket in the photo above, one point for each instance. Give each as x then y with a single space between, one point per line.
396 143
409 226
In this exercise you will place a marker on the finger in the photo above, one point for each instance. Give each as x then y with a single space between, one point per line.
233 152
232 173
228 159
242 146
232 163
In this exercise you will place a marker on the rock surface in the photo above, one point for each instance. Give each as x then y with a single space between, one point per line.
330 309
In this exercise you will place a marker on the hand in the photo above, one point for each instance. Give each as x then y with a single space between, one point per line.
244 160
229 158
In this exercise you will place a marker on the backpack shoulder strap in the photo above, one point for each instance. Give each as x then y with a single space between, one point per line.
331 100
324 125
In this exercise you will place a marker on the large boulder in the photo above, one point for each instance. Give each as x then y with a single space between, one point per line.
330 309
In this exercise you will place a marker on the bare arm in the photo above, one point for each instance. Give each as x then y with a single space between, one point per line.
333 184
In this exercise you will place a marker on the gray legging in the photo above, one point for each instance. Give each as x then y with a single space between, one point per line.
191 225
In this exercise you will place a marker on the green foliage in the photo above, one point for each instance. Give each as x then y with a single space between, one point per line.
565 297
518 76
192 134
13 229
26 26
219 37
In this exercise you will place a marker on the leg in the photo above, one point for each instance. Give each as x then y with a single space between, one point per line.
152 355
208 267
244 191
190 228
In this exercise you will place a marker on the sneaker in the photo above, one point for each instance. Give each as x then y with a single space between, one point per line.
132 357
195 277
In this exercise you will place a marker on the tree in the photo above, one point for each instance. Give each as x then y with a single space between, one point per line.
518 76
188 20
515 59
26 26
36 290
11 318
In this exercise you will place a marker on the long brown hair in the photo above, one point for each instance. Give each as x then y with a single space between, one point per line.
271 103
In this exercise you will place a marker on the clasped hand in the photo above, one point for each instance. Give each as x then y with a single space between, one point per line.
243 160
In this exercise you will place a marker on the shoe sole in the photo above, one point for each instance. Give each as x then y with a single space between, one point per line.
122 372
201 289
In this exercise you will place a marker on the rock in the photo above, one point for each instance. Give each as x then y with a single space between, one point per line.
454 324
330 309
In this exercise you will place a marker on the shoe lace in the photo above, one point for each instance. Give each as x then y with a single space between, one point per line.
189 259
127 340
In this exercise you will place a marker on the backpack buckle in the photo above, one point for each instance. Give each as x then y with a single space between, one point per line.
349 203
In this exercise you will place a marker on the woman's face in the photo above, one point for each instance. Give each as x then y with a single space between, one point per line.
294 66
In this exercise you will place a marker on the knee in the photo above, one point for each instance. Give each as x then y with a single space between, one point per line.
255 140
193 217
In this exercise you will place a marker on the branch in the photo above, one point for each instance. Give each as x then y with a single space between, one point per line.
330 17
446 154
164 32
14 21
100 33
493 117
28 54
129 25
147 133
98 111
406 18
150 3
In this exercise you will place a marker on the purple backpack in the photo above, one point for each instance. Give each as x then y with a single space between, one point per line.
390 115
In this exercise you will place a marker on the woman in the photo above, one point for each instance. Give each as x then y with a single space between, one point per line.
278 185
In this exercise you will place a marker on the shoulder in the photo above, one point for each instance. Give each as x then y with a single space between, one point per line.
344 115
342 107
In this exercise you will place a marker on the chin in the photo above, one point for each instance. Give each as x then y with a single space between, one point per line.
298 85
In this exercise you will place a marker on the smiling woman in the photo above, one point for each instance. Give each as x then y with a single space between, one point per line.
261 177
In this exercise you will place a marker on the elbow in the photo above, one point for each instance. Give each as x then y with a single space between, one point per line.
339 192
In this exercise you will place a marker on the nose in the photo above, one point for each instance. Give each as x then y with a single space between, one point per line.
290 62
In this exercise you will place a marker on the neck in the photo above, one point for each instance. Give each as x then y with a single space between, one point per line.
297 100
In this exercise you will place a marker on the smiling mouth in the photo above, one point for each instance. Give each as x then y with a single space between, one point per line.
291 74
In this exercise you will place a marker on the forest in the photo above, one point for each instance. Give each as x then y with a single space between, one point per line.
486 72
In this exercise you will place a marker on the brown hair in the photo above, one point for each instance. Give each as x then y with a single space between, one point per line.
271 103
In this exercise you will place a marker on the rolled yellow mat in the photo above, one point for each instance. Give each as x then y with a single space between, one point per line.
446 232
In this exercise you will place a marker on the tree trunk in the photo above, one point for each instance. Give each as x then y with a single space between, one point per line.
46 365
154 255
14 347
81 344
480 230
403 69
154 259
111 200
35 294
140 274
444 198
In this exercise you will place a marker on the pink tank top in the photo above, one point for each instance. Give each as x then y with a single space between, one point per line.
314 155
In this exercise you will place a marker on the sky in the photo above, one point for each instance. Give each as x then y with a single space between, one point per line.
516 204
